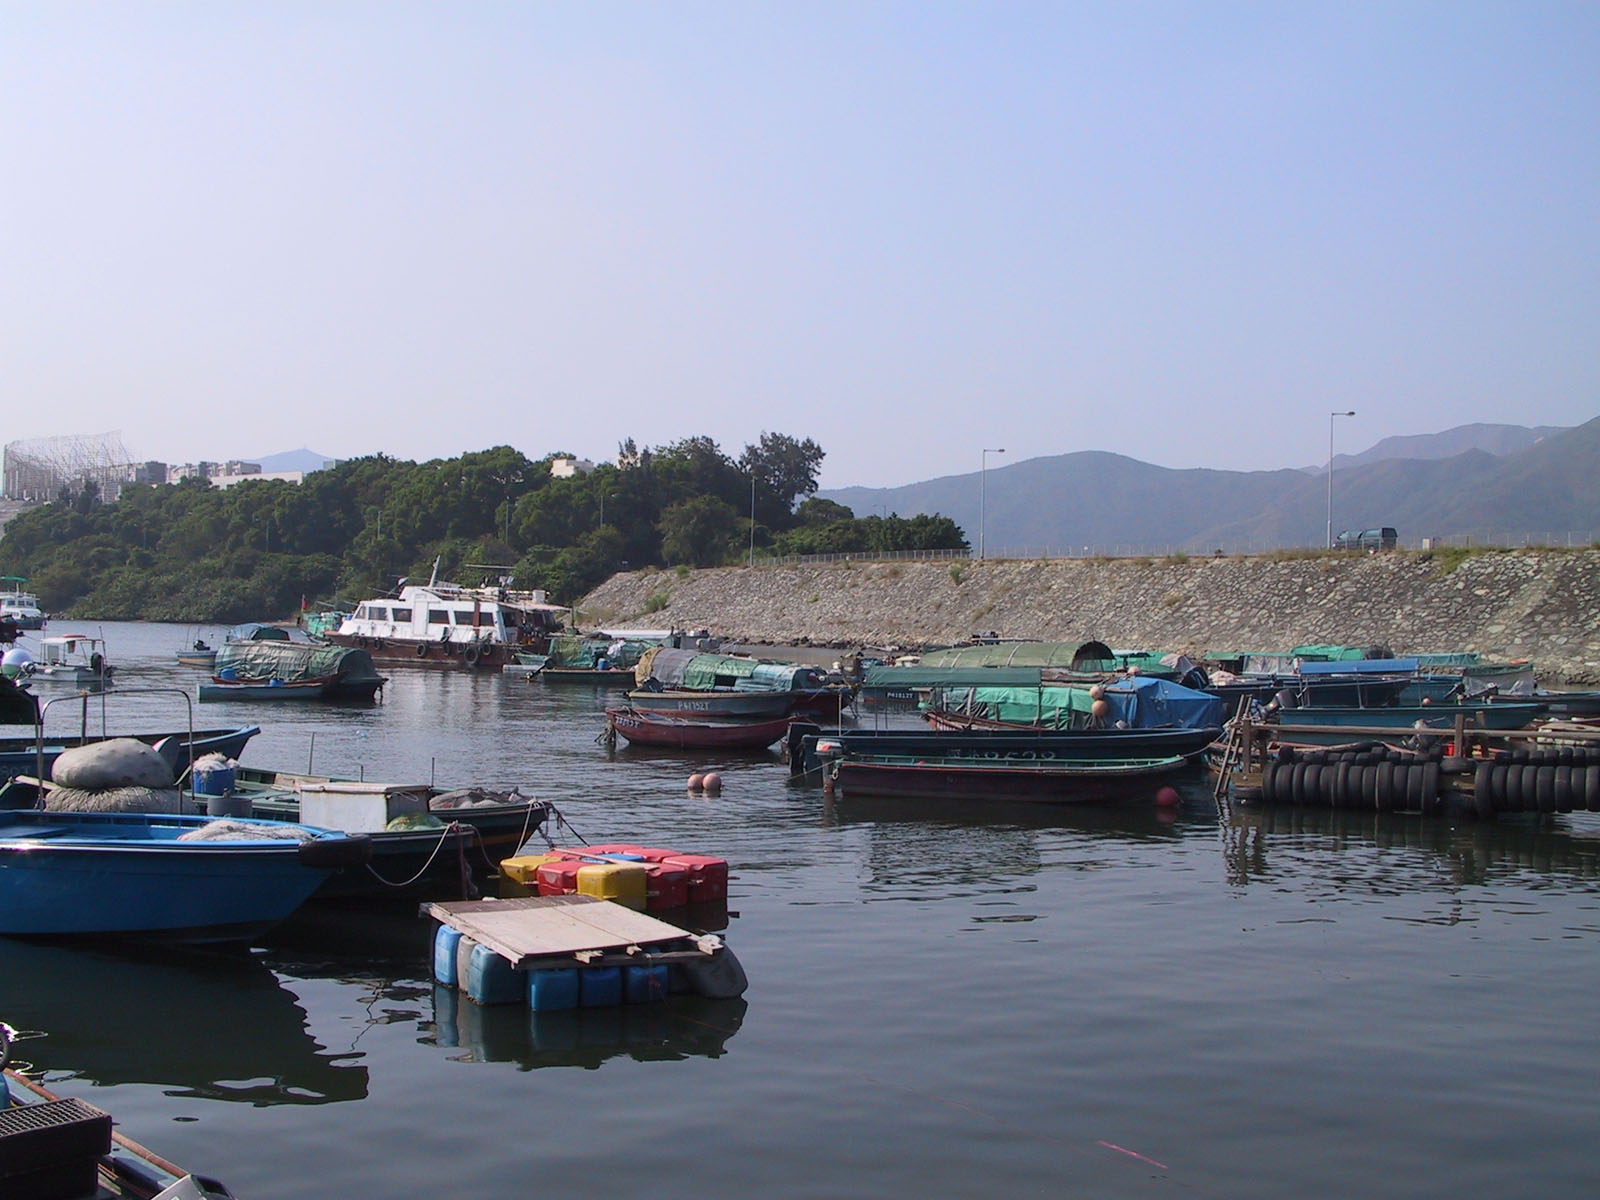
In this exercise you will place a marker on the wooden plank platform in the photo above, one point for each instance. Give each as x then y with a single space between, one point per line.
538 931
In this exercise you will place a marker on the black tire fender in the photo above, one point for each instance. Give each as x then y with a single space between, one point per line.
331 853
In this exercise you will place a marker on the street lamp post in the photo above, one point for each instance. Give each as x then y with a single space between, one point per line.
752 518
603 497
983 488
1331 416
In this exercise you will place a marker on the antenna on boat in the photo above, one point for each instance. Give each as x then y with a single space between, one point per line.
433 575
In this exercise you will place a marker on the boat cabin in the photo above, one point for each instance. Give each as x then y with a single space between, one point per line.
74 656
18 604
444 612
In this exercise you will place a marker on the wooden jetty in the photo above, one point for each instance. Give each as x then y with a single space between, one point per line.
1461 770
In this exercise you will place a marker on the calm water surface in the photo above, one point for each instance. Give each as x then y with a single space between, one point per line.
1089 1003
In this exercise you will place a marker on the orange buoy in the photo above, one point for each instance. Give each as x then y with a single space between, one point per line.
1134 669
1100 708
1167 797
696 782
712 781
1097 692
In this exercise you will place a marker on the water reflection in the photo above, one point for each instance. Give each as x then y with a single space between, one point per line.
1263 845
206 1025
677 1028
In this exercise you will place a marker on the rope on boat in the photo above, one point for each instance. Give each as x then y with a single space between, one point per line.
561 819
455 827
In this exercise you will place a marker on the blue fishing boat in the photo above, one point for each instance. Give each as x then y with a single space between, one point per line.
163 876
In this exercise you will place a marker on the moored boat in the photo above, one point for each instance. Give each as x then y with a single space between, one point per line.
750 705
1062 781
427 842
695 733
24 756
78 659
284 670
18 605
810 748
444 626
170 877
57 1145
271 689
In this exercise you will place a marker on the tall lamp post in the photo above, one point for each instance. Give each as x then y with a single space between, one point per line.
752 518
983 491
603 497
1331 416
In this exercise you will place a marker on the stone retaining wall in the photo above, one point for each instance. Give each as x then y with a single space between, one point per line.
1538 604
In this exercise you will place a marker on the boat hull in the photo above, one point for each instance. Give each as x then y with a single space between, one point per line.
430 655
97 874
751 705
1037 782
656 729
1072 745
433 864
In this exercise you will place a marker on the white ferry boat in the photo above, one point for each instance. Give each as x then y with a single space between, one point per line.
451 627
18 604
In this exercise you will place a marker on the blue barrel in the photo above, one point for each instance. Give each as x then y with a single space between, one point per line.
214 781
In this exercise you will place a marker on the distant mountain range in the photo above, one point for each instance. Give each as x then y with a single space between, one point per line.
1473 479
290 460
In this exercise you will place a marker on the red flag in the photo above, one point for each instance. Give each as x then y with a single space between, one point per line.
302 602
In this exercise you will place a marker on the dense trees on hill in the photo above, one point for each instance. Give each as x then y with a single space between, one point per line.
191 552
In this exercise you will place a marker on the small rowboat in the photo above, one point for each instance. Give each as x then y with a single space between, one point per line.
695 733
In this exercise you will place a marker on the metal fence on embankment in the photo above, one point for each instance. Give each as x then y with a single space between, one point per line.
1486 540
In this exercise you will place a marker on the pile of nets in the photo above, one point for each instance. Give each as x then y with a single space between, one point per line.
116 775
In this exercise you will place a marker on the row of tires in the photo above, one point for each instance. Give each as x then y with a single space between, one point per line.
1386 786
1535 787
1554 756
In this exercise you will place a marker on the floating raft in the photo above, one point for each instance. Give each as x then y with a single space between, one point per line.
555 952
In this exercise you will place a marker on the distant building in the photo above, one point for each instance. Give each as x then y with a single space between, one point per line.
566 468
195 470
223 481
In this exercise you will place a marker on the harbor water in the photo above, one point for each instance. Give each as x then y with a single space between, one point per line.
1117 1001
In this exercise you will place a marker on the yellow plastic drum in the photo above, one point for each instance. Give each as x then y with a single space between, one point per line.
518 876
621 883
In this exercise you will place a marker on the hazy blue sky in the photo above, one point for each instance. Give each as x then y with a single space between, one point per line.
1179 231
